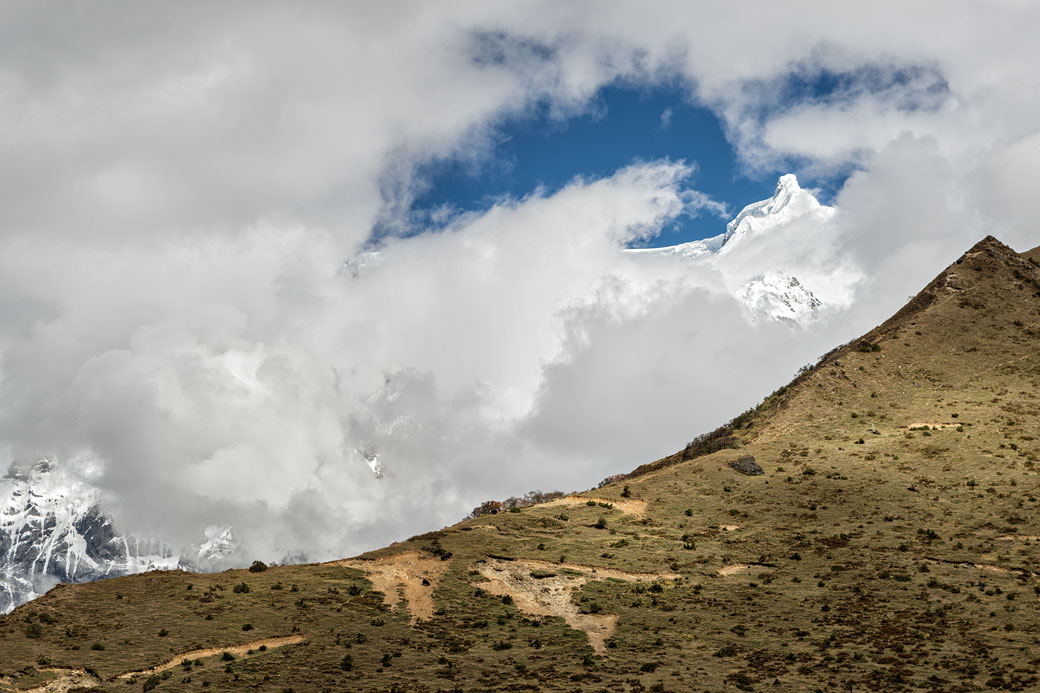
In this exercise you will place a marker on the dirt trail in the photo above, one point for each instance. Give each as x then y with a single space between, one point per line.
930 424
541 588
67 680
237 650
1020 537
737 568
410 574
629 506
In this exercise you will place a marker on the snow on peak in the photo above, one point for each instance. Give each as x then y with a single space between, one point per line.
789 202
771 294
52 529
778 296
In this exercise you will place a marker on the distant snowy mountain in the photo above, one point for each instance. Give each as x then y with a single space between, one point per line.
53 530
773 294
780 297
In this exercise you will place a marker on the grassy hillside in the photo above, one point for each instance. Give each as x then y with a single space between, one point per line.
890 543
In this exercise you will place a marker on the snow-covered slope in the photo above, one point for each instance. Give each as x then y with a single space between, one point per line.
771 294
778 296
52 529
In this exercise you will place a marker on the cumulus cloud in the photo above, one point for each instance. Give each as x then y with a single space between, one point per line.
182 184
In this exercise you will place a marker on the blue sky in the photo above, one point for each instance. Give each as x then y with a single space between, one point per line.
625 125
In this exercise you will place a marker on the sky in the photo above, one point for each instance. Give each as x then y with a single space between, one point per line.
185 186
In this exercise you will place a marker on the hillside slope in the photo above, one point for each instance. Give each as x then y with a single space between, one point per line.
890 542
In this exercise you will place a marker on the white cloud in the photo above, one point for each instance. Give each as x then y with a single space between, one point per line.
178 194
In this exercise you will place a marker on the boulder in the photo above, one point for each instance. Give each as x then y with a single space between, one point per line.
747 465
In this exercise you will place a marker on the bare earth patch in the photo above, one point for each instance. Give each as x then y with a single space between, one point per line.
541 588
737 568
1020 537
410 575
237 650
928 424
66 680
629 506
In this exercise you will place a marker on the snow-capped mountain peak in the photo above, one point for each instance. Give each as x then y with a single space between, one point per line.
778 296
771 294
52 529
789 202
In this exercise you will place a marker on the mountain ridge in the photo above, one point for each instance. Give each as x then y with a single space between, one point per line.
871 525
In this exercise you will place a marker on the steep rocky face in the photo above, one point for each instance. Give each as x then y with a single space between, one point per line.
53 529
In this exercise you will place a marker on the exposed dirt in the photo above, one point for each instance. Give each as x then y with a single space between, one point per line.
1020 537
932 425
729 528
629 506
401 576
66 680
737 568
237 650
541 588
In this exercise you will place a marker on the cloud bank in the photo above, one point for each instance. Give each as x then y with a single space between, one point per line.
178 198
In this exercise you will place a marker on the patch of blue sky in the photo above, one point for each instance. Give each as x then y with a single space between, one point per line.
625 126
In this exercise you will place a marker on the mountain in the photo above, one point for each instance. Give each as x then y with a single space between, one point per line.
54 527
780 297
774 295
52 530
788 203
872 526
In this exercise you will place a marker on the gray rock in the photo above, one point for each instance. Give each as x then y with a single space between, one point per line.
747 465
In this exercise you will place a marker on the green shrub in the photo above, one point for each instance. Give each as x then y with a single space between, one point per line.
258 567
240 588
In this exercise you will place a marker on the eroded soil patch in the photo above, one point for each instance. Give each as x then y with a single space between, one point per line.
411 575
629 506
738 568
66 680
237 650
541 588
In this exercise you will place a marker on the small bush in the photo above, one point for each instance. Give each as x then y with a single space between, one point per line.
626 492
151 682
347 664
240 588
258 567
227 657
601 523
33 630
97 647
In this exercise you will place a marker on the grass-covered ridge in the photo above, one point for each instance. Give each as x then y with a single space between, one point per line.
890 543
